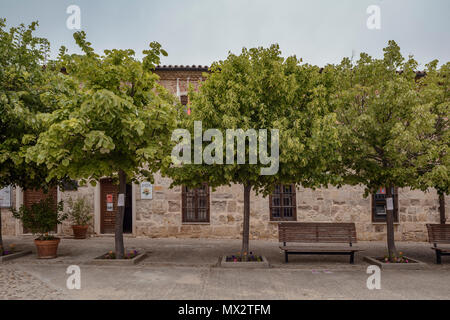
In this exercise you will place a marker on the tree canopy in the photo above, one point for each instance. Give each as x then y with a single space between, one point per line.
377 108
433 165
108 109
259 89
23 79
111 119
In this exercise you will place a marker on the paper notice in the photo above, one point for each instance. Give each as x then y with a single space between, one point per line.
121 200
389 204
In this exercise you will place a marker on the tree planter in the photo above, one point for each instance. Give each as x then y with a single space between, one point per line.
412 265
14 255
102 261
47 249
244 264
80 232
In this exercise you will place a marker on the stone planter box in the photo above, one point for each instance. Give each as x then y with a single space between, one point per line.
249 264
14 255
99 261
412 265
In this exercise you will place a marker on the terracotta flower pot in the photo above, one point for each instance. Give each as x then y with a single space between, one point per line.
46 249
79 232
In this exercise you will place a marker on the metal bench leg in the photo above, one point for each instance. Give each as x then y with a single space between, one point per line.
438 257
286 257
352 258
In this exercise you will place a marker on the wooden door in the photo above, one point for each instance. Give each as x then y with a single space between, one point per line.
108 193
34 196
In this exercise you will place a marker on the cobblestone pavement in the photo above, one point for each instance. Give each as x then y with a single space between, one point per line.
18 285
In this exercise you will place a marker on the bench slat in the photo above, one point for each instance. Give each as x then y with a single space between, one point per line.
321 232
441 249
318 249
438 233
317 232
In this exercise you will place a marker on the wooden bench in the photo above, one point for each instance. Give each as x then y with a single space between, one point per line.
439 234
299 232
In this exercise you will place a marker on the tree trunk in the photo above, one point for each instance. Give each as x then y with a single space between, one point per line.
442 208
1 238
246 226
120 249
392 250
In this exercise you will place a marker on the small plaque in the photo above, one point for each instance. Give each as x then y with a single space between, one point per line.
109 202
146 190
5 197
121 200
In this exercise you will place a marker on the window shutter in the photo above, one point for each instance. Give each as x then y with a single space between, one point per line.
283 203
195 204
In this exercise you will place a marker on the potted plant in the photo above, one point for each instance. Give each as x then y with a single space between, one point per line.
79 212
41 218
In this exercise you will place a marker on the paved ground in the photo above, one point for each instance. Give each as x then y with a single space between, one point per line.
187 269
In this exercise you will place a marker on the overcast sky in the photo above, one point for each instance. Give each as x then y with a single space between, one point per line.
203 31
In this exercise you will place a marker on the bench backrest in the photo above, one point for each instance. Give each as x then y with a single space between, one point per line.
438 233
317 232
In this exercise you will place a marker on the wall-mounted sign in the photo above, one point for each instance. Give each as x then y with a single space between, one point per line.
146 191
5 197
109 202
382 191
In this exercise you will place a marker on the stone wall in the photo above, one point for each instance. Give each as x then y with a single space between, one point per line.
168 79
162 217
83 191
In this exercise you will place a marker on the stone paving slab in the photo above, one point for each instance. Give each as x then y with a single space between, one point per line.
213 283
15 255
188 269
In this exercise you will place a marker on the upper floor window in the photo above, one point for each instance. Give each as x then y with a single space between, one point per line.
184 99
283 203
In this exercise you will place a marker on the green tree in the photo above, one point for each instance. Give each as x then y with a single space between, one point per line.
259 89
23 79
381 121
433 164
112 120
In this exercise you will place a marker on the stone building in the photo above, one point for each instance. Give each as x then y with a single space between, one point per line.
180 212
